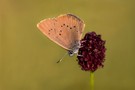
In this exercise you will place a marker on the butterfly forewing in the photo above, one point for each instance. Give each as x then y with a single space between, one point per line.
48 28
64 30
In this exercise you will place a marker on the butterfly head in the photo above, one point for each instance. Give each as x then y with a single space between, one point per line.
75 48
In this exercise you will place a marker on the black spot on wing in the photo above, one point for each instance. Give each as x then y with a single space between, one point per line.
60 30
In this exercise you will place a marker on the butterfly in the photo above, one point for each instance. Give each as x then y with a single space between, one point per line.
65 30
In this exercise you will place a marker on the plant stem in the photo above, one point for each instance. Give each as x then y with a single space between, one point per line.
91 80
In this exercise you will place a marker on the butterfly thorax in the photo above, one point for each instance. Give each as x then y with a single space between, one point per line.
74 49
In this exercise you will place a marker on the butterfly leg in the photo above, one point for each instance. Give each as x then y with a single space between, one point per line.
79 55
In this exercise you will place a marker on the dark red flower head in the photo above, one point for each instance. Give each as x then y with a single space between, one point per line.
91 54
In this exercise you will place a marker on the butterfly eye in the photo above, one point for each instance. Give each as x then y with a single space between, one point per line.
74 26
67 25
63 24
70 27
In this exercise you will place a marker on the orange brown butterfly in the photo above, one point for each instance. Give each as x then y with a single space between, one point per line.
65 30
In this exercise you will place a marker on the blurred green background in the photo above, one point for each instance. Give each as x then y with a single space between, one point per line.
28 58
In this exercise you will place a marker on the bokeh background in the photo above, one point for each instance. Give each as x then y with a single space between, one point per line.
28 59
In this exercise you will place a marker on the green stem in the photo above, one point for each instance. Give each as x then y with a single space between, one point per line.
91 80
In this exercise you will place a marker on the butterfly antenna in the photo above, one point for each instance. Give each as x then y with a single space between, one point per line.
62 58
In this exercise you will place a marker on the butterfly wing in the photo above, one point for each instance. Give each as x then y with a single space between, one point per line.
64 30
